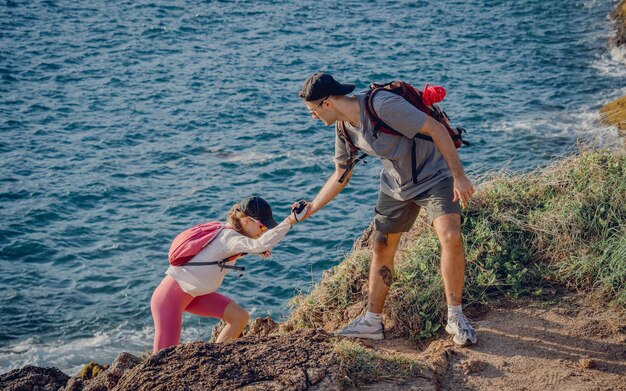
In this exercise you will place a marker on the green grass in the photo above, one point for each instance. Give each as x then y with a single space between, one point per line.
360 366
564 224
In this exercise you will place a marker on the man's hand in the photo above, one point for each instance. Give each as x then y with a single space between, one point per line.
463 190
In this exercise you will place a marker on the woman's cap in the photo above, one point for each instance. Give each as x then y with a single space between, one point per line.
321 85
258 208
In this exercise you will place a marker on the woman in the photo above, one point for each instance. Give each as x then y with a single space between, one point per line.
192 288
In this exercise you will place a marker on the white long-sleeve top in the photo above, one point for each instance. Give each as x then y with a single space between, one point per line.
202 280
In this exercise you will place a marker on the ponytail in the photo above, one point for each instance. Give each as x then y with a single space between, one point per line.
234 217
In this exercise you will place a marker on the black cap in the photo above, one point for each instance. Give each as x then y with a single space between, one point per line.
321 85
258 208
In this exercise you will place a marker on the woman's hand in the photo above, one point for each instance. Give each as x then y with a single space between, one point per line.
265 254
300 210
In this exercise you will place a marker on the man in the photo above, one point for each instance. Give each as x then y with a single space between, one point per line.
441 183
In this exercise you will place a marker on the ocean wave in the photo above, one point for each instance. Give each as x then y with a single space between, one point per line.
101 347
583 124
611 63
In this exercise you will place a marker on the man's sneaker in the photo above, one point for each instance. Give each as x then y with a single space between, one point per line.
361 328
459 326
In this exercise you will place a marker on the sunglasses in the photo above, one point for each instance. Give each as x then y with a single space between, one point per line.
312 111
263 227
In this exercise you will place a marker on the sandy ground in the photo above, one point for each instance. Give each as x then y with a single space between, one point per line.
526 346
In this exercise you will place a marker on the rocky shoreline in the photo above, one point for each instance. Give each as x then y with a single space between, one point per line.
619 19
297 361
531 345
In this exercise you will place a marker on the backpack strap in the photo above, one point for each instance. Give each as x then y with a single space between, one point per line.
343 134
222 264
351 165
380 125
433 111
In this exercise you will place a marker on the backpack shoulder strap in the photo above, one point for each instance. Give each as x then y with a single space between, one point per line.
379 124
341 132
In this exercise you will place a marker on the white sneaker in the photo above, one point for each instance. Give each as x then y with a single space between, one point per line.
361 328
464 333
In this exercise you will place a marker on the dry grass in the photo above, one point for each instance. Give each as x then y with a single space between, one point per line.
361 366
614 113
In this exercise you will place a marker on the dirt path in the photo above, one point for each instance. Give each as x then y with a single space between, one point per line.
528 346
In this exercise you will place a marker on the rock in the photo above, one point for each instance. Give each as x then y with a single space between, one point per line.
614 113
619 18
91 370
473 366
216 330
33 378
262 327
587 363
330 381
124 362
316 375
75 384
107 379
294 361
258 327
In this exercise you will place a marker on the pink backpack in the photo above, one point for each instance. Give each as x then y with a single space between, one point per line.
189 242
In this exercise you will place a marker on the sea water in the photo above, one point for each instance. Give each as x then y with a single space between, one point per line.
124 122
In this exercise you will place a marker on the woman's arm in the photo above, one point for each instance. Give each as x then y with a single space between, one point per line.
242 244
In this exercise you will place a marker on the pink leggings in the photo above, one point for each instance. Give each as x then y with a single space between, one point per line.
168 304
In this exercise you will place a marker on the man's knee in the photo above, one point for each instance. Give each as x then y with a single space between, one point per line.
381 239
448 228
451 239
386 242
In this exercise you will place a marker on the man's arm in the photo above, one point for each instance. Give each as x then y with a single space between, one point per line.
463 189
403 117
331 188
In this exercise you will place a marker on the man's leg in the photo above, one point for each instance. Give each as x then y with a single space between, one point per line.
391 216
448 229
380 279
381 269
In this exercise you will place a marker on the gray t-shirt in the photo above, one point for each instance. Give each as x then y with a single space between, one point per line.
396 178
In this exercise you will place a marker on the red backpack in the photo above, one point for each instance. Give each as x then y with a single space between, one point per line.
189 243
419 101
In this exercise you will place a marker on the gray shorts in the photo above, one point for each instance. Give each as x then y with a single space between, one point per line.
393 216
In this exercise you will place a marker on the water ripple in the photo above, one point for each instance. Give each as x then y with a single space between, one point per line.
123 123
